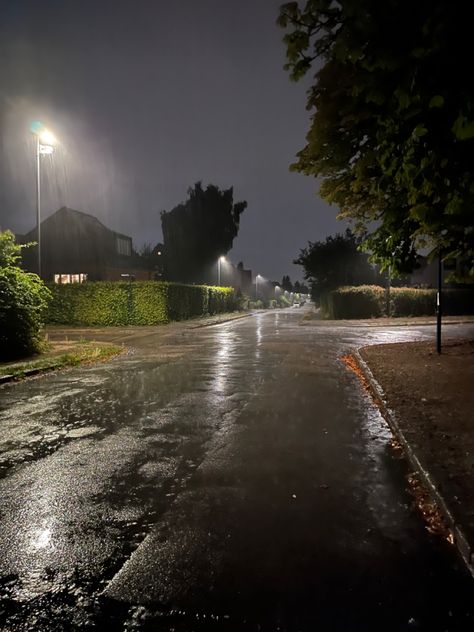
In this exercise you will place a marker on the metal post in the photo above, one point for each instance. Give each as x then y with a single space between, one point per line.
389 282
256 288
439 310
219 272
38 202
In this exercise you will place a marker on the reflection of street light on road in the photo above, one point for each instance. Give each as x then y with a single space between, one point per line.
219 261
45 141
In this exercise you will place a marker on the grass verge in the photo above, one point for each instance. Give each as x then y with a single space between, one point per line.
81 352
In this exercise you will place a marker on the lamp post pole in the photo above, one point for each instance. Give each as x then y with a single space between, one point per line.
38 202
219 272
45 142
439 304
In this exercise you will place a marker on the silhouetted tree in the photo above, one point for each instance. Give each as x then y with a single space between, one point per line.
334 262
197 232
286 284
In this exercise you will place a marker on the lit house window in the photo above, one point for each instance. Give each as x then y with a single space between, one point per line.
124 246
70 278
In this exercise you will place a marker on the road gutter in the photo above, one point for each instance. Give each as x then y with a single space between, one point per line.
460 540
4 379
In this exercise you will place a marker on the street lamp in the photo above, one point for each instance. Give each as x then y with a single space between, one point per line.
256 286
45 141
219 261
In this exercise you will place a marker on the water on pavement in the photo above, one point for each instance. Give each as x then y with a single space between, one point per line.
232 477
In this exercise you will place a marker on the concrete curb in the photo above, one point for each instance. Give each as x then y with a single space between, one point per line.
461 542
4 379
374 322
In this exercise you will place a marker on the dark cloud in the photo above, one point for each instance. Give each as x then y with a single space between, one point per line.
147 98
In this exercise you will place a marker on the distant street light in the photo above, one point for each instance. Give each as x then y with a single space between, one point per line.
45 141
256 286
219 261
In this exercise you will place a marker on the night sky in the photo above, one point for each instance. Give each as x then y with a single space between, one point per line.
147 97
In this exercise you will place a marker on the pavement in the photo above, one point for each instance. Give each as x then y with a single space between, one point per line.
230 477
433 423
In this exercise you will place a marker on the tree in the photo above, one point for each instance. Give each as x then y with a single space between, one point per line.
286 284
23 301
334 262
392 130
153 259
199 231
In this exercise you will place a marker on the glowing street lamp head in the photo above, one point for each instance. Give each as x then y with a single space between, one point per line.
222 258
47 138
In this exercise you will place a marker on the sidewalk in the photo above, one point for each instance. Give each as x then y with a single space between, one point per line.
428 401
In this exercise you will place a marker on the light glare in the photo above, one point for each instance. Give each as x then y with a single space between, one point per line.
47 138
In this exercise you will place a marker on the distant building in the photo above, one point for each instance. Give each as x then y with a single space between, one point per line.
236 276
77 247
427 274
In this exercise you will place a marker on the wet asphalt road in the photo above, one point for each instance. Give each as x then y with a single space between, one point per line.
233 477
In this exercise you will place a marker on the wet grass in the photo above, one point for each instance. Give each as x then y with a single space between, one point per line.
80 352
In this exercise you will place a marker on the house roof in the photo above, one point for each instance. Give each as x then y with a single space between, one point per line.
79 217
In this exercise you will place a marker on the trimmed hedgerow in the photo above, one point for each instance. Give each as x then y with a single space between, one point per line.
139 303
363 301
409 301
148 303
102 303
370 301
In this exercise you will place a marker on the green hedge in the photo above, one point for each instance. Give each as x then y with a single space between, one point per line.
364 301
138 303
408 301
370 301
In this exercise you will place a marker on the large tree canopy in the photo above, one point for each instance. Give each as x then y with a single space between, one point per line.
199 231
392 128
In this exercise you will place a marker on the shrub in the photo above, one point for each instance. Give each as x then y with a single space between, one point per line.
23 300
138 303
283 301
363 301
102 303
370 301
408 301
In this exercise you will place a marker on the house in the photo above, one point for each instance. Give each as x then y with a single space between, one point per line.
427 273
76 247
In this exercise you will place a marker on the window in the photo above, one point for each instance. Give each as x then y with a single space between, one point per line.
70 278
124 246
